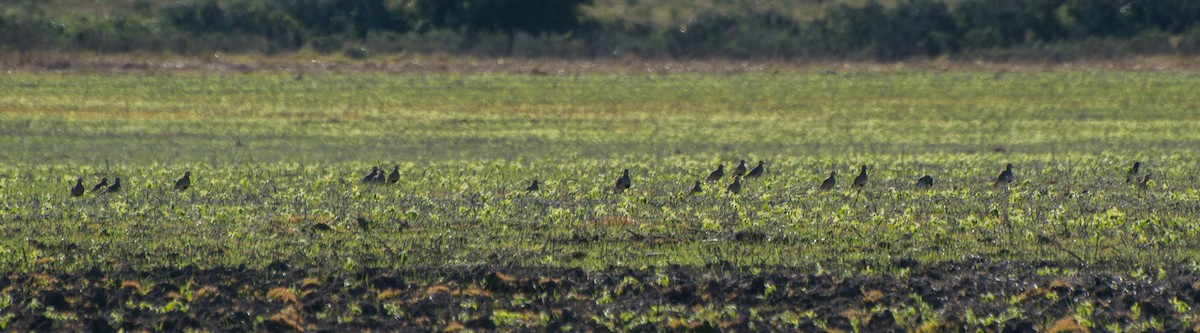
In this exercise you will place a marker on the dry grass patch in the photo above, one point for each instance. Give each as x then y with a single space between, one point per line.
282 294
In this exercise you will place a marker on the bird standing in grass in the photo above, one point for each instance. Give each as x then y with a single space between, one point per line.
623 183
371 177
696 189
740 170
861 179
101 186
380 177
78 189
829 182
184 182
925 181
716 174
1132 175
115 187
757 171
736 187
1005 176
394 177
532 187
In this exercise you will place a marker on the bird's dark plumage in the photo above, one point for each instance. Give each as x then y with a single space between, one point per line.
371 177
829 182
757 171
380 177
1132 175
696 189
394 177
1005 176
185 182
623 183
741 169
101 186
736 187
532 187
716 174
861 179
78 189
925 181
115 187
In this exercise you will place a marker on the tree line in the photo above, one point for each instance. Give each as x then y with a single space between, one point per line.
1056 29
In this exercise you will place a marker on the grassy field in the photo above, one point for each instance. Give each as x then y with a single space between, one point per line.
275 160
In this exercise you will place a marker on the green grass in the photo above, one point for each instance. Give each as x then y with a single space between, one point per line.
272 156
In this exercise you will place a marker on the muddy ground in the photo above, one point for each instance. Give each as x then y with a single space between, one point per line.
988 296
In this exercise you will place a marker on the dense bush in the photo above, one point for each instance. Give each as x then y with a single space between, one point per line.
1051 29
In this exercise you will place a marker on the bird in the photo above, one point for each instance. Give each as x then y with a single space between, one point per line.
101 186
696 189
716 174
1132 175
115 187
371 177
1005 176
532 187
861 179
925 181
380 178
184 182
363 223
736 186
829 182
757 171
741 169
78 189
394 177
623 183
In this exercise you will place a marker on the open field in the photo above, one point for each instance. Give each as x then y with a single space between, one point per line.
276 207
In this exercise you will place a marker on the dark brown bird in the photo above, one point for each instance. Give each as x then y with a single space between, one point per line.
78 189
115 187
925 181
184 182
757 171
101 186
741 169
1005 176
394 177
716 174
623 183
861 179
1132 175
696 189
829 182
380 178
736 187
371 177
532 187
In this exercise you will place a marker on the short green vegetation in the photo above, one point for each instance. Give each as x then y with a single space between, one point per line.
276 165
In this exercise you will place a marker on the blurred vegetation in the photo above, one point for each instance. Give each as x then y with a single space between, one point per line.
860 30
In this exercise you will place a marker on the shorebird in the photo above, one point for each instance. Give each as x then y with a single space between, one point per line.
380 177
925 181
1132 175
115 187
716 174
184 182
394 177
757 171
741 169
697 189
78 189
623 183
1005 176
371 177
532 187
101 186
829 182
861 179
736 187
